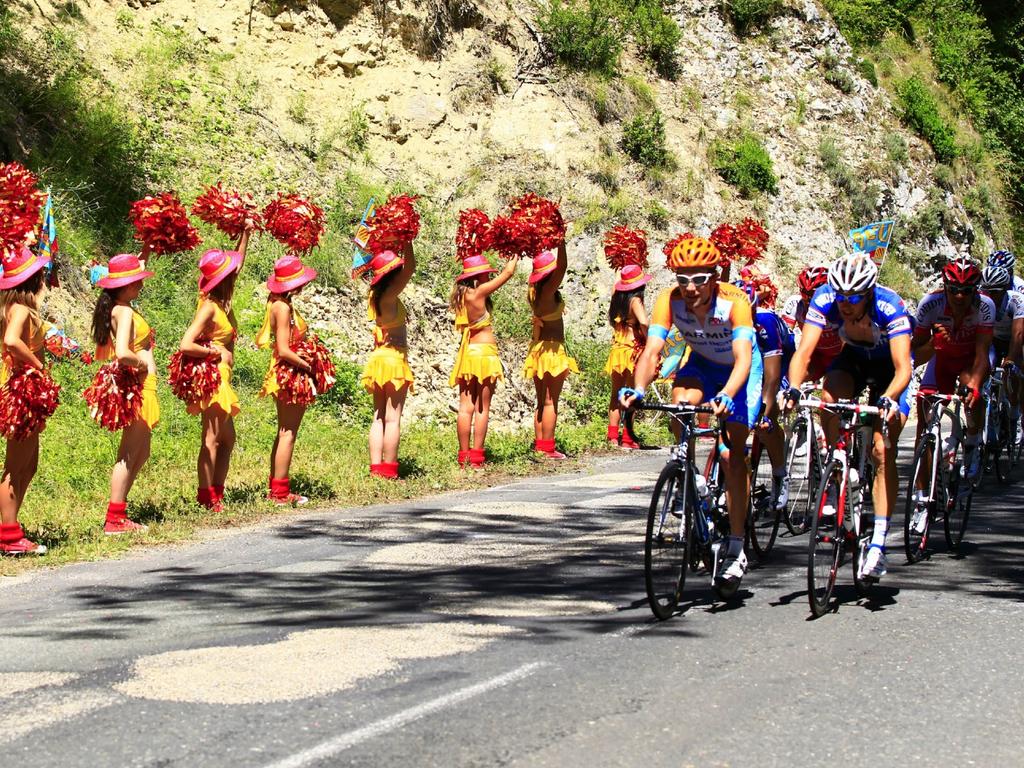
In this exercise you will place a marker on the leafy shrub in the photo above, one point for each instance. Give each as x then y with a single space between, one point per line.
866 69
921 112
864 22
657 36
657 214
745 163
748 14
643 139
841 79
836 169
895 148
583 34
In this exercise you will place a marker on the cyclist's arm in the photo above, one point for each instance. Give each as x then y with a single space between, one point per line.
802 357
1016 340
772 377
899 348
922 345
979 370
647 365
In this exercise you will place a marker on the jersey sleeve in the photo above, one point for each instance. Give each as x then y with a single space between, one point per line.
986 316
741 318
1015 304
789 310
661 316
769 340
894 314
819 307
925 318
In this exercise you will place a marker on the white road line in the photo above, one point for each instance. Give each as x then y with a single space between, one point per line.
346 740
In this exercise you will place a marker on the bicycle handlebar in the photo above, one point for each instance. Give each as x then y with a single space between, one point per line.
679 409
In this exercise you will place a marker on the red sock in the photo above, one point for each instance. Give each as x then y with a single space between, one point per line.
464 458
613 433
217 492
115 511
545 446
391 470
280 487
477 457
205 497
378 470
10 533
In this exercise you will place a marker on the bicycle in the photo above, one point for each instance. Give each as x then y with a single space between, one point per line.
763 520
804 444
847 482
937 468
688 521
998 433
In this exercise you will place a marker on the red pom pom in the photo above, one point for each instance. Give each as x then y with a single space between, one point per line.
294 222
545 217
193 379
624 246
114 397
227 210
27 400
162 222
302 387
512 236
639 342
394 225
671 244
474 234
20 204
745 242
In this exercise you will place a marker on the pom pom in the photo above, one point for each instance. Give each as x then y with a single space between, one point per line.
511 236
302 387
27 400
745 242
161 221
624 246
114 397
227 210
193 379
671 244
394 225
294 222
545 217
474 234
20 204
639 342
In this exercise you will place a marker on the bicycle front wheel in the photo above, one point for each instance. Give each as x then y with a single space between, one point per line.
1001 448
667 543
957 509
803 470
918 514
763 517
825 544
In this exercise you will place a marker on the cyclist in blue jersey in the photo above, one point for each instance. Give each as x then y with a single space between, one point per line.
776 343
872 320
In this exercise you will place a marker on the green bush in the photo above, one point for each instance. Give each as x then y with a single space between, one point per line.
748 14
657 214
866 69
841 79
921 112
584 34
865 22
657 36
895 148
745 163
643 139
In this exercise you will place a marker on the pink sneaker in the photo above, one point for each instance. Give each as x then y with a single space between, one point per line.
124 525
291 500
22 547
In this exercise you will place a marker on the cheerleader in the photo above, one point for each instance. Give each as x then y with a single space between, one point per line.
21 290
478 367
286 327
628 319
121 333
547 362
212 335
387 376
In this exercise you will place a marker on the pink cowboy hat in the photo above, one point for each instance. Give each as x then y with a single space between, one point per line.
289 273
543 265
214 266
384 262
632 277
19 266
473 266
123 269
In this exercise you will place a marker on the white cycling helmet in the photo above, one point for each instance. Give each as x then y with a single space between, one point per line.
996 278
853 274
1004 259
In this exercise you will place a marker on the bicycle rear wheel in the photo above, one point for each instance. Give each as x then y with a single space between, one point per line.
867 530
1001 448
762 517
667 542
957 509
825 544
917 518
803 470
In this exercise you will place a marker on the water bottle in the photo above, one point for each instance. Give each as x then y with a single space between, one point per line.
702 486
949 450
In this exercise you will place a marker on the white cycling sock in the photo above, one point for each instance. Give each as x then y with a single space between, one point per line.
881 529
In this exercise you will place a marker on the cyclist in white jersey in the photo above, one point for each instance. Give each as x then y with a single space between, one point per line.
1007 332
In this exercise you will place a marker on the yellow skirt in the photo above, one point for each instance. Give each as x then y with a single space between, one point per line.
387 365
620 359
224 398
482 363
150 411
270 386
548 358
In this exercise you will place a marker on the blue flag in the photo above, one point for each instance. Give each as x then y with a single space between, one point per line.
873 239
48 247
360 256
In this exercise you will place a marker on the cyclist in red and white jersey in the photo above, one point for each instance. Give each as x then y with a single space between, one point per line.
794 312
953 336
1008 331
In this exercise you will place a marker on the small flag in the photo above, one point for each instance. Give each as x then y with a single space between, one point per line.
360 256
48 246
873 239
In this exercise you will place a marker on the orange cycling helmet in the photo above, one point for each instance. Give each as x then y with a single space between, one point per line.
694 252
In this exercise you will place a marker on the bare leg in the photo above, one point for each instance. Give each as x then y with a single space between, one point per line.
619 380
886 477
208 449
395 402
484 390
225 445
377 426
464 424
20 465
132 455
289 418
552 390
737 478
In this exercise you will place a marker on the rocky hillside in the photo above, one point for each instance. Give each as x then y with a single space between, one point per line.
465 103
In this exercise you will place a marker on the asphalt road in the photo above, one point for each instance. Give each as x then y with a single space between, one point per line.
508 627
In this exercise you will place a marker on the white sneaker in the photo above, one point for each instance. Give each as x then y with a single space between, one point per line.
919 520
780 491
733 567
873 566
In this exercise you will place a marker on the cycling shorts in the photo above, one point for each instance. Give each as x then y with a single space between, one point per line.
712 378
820 360
941 377
873 375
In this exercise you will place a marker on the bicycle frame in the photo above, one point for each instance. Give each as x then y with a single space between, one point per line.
933 426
